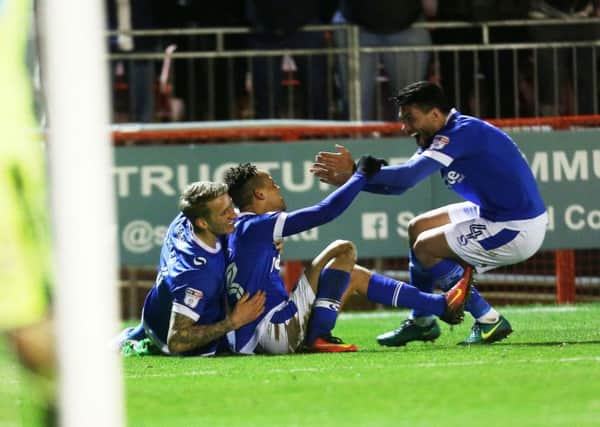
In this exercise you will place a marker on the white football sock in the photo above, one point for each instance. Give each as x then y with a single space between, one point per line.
424 320
492 316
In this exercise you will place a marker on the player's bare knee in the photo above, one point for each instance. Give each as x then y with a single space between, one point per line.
348 253
359 280
345 249
344 261
423 251
415 227
345 257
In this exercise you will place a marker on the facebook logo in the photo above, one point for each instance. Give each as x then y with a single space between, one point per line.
374 226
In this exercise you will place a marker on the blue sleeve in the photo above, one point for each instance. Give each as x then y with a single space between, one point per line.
327 209
188 292
257 228
384 189
399 178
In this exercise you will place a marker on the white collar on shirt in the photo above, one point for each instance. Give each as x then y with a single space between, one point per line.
203 245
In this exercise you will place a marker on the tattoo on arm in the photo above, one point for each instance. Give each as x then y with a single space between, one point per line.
184 335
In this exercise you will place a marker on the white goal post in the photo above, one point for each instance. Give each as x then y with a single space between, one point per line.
74 67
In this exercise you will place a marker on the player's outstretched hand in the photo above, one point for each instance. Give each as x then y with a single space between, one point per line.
333 168
370 165
248 309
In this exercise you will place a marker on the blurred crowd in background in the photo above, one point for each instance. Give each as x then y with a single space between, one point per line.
507 82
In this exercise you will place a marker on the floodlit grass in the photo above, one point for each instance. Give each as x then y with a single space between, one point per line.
20 401
546 374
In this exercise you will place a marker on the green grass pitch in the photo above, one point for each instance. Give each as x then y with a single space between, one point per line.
547 373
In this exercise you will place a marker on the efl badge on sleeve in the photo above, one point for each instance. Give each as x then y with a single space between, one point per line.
439 142
192 297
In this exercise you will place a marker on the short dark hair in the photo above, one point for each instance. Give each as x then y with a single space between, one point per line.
242 180
194 199
425 95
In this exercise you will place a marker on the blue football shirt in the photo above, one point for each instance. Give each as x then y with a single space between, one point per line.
254 260
190 281
479 162
483 165
254 266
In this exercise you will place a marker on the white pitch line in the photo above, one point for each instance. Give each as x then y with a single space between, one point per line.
408 365
449 364
550 309
201 373
174 374
213 372
279 370
506 362
384 314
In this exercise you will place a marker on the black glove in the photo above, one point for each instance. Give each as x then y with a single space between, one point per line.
370 165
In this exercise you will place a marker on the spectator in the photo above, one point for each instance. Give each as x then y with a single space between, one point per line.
211 87
142 72
276 25
384 23
555 68
127 15
470 79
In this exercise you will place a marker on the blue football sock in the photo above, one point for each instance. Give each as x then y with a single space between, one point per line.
388 291
446 273
332 284
477 305
138 333
420 278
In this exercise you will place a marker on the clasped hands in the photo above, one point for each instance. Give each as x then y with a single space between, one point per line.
336 168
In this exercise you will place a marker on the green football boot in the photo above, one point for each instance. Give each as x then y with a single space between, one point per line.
128 348
487 333
409 331
143 347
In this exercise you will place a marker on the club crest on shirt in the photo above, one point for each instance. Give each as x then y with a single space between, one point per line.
439 142
192 297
